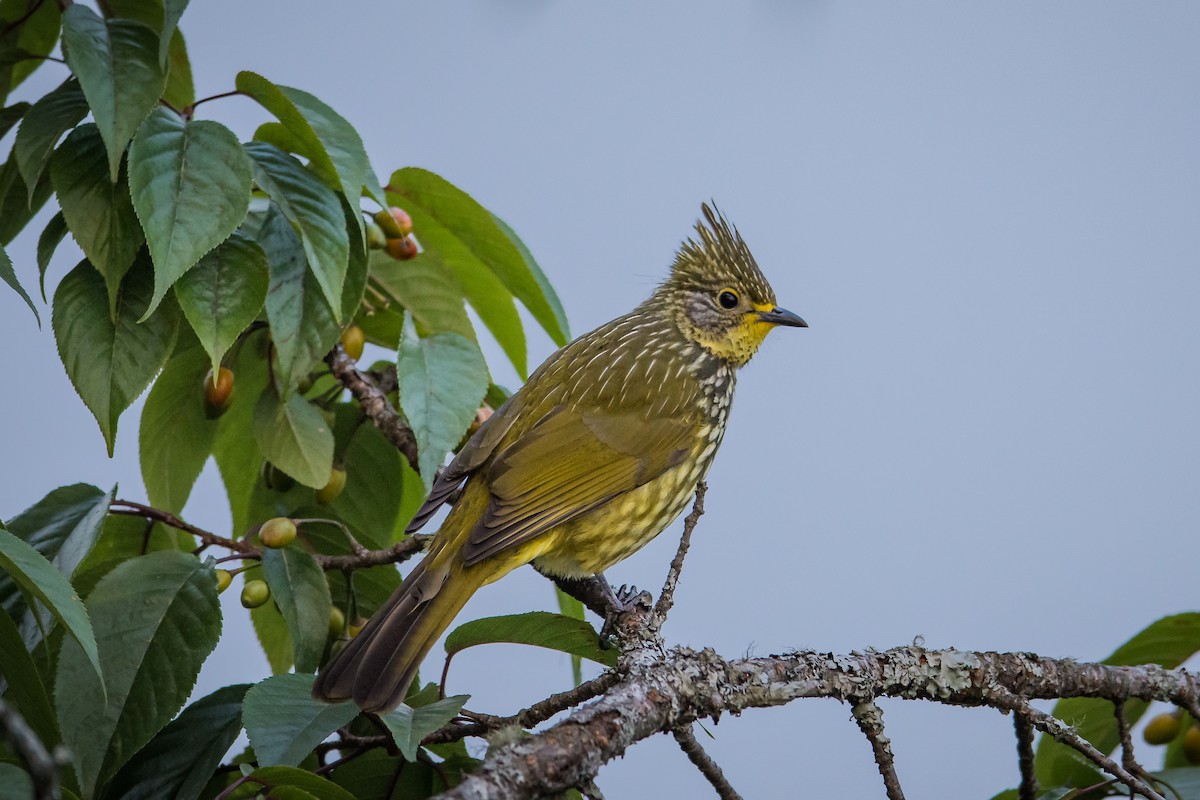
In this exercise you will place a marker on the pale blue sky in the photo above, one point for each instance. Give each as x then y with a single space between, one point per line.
987 212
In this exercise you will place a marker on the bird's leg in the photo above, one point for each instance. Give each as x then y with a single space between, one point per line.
620 602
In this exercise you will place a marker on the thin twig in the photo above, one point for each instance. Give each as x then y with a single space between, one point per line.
1068 736
130 508
43 769
667 598
396 554
869 717
1028 789
703 761
1127 759
374 401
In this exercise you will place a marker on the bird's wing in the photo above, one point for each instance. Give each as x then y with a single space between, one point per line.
474 453
568 463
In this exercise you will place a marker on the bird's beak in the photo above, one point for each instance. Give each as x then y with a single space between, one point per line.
781 316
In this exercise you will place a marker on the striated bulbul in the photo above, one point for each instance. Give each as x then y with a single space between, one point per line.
594 456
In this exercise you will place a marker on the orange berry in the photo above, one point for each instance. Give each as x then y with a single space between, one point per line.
218 392
403 249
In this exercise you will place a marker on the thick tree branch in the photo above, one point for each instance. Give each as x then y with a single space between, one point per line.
372 396
664 692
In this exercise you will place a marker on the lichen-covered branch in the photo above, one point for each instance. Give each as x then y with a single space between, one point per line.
869 717
666 691
371 394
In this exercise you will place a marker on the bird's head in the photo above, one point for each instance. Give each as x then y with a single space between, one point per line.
717 294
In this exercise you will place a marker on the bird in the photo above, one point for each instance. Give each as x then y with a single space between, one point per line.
597 453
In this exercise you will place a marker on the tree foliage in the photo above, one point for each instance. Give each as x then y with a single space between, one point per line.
234 279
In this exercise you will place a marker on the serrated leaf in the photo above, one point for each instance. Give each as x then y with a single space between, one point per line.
409 726
371 499
110 362
25 689
63 526
425 287
179 761
294 436
303 327
224 293
9 276
539 277
99 212
180 91
298 585
38 578
11 115
315 211
117 63
272 632
320 133
537 628
156 618
48 242
50 117
190 183
284 721
176 437
1169 642
442 380
124 537
16 207
172 48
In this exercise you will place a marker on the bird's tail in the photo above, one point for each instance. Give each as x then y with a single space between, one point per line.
377 667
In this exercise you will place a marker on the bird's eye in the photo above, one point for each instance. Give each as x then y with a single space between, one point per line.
727 298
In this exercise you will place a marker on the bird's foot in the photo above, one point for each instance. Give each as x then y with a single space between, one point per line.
621 602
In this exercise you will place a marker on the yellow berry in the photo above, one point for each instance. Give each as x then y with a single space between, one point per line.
1191 745
353 339
330 491
255 593
356 628
218 392
337 621
277 532
1162 729
224 578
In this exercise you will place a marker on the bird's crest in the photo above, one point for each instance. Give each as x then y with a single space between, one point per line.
719 257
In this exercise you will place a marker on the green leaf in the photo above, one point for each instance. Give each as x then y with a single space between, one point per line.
570 607
172 11
538 628
110 363
237 457
298 585
409 726
38 578
294 436
125 537
9 275
224 293
282 779
16 208
44 124
377 775
320 134
371 500
11 116
190 183
117 63
176 437
315 211
172 49
15 783
539 277
25 689
272 631
284 721
1168 642
98 212
180 91
48 242
427 288
303 327
36 36
157 618
63 526
484 290
442 379
178 762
